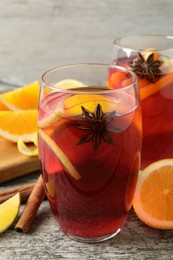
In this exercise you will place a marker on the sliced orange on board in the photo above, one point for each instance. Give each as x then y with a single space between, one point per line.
18 124
3 107
22 98
153 199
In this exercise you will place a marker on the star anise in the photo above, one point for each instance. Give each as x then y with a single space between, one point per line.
97 125
148 68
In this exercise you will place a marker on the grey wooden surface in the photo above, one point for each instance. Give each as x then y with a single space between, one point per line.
39 34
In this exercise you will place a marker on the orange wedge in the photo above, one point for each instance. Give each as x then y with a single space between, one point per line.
21 98
18 124
153 199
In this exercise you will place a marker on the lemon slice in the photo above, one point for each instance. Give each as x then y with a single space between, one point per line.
60 154
26 149
9 211
69 84
53 118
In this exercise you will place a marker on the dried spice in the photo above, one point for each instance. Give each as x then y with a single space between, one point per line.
97 125
148 68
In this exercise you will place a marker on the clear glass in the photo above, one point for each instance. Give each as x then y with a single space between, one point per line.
89 147
155 81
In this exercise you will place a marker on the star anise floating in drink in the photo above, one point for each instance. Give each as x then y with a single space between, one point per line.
97 126
148 67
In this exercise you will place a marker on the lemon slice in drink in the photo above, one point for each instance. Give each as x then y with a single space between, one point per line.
60 154
9 211
49 120
69 84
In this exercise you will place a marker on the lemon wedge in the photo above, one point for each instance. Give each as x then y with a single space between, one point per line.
9 211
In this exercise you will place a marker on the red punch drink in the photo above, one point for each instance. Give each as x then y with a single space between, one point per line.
89 146
154 68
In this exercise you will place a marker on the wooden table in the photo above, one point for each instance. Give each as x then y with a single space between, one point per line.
38 35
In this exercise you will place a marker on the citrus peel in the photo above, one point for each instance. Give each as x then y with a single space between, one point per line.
30 150
60 154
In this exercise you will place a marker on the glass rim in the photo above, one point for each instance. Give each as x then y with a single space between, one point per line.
169 37
52 87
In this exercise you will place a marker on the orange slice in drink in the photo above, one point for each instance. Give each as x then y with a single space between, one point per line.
148 51
22 98
152 88
18 124
116 80
153 198
60 154
72 105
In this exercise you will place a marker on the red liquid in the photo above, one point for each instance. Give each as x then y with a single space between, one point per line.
98 203
157 126
157 117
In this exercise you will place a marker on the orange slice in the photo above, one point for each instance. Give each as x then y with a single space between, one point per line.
118 79
18 124
155 87
153 199
60 155
22 98
148 51
2 106
73 104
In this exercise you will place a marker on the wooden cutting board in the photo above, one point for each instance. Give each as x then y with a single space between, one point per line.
14 164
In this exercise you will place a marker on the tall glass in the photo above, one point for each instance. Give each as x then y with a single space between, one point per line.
151 58
89 148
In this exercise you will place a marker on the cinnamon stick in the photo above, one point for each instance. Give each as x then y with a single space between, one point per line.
25 191
35 199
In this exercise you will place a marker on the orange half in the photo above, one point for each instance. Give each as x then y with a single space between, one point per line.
153 200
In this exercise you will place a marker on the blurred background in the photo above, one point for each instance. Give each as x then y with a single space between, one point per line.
37 35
